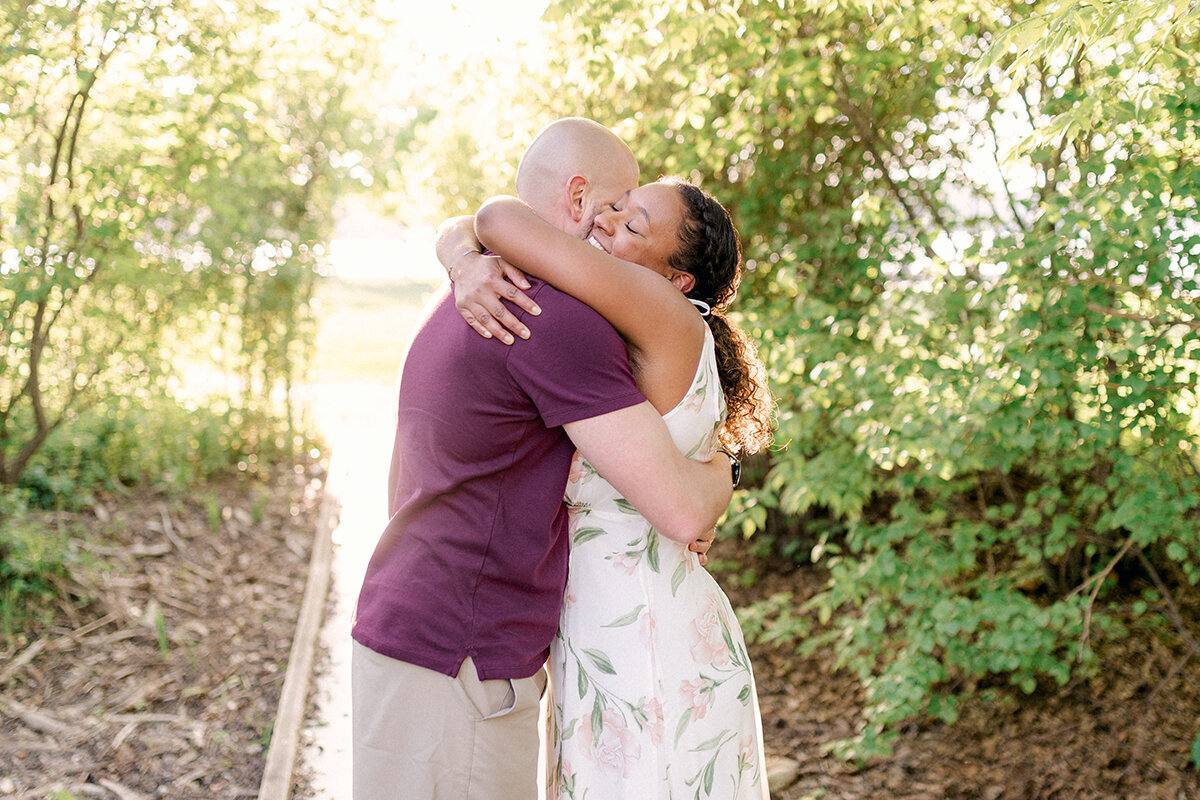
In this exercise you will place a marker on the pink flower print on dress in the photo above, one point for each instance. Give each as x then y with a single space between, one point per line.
697 695
653 710
745 755
693 402
616 749
707 635
648 624
626 563
563 781
577 470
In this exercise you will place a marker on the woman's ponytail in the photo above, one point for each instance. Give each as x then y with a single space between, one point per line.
709 250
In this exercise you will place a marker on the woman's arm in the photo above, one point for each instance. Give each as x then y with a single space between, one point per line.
480 282
647 309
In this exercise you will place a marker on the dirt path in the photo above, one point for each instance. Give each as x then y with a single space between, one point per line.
356 418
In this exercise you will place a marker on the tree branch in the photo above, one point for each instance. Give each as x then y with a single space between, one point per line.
993 108
1162 322
1172 609
1098 582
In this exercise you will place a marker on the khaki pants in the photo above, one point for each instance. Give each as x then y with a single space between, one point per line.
422 735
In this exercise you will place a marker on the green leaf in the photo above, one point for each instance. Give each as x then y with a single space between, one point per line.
626 619
712 744
684 721
586 535
600 660
597 719
678 577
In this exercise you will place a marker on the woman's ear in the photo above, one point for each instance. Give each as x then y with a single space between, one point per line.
684 281
577 195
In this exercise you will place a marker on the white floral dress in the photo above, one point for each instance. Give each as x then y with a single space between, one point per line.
652 694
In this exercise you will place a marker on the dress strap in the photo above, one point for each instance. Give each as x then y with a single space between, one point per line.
705 308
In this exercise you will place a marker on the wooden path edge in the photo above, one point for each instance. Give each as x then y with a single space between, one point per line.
293 699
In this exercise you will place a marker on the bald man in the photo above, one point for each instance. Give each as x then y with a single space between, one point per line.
462 594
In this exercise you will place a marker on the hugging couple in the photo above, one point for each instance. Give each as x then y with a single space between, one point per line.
624 389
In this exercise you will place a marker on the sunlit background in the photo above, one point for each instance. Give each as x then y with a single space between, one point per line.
430 43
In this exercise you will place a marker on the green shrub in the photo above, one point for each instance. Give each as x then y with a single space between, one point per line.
153 441
33 564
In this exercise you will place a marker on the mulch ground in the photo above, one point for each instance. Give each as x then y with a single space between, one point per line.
1126 734
162 678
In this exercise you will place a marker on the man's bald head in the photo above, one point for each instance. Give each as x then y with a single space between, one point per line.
573 167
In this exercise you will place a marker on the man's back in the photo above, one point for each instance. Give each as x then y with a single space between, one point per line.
473 560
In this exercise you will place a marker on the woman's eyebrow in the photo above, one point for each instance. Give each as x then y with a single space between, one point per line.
641 209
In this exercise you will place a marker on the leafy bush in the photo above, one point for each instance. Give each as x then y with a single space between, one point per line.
154 441
33 562
986 368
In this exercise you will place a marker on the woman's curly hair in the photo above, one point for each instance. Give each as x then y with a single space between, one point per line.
710 251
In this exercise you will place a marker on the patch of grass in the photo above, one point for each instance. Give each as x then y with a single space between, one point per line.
265 734
213 507
155 441
33 563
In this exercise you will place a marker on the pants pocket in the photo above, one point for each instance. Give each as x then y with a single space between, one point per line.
488 699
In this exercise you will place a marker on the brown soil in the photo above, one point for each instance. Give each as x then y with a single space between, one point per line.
1125 734
97 705
161 678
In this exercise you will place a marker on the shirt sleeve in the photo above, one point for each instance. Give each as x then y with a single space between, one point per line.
574 365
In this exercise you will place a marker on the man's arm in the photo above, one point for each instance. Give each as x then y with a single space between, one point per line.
479 282
632 449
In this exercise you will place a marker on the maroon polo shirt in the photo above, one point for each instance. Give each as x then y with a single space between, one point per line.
473 560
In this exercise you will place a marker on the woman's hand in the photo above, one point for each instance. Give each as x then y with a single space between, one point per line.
480 282
702 545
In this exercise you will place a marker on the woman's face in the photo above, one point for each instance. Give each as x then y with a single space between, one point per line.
641 227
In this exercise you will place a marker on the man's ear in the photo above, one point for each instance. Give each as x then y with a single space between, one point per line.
684 281
577 194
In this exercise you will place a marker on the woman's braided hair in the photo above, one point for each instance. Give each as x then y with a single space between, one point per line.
709 250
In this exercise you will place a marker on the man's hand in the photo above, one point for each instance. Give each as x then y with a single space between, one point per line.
701 546
480 281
